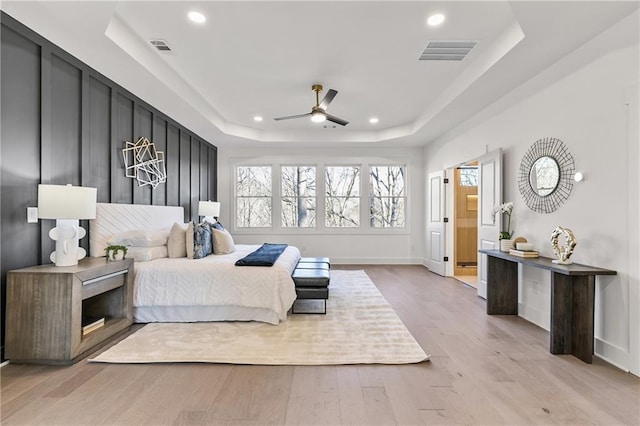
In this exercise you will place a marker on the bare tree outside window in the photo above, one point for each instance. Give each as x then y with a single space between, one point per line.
253 197
387 191
298 196
468 176
342 197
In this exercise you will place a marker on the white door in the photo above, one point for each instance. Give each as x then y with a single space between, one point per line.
489 196
436 225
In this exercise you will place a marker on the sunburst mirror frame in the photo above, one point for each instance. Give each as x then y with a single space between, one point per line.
547 147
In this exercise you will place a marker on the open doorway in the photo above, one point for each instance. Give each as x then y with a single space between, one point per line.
465 224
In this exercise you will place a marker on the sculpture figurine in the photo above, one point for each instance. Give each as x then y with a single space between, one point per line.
563 253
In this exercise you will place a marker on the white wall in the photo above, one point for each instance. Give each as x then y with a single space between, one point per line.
592 111
358 246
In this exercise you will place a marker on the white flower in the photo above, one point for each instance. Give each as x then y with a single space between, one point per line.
504 208
508 209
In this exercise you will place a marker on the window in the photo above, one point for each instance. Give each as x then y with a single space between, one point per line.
342 196
316 197
298 196
387 192
468 176
253 197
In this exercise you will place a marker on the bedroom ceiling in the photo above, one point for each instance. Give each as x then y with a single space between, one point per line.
261 59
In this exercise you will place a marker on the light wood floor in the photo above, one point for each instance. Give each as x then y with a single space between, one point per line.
483 370
470 280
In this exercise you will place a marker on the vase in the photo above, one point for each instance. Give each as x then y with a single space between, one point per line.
506 244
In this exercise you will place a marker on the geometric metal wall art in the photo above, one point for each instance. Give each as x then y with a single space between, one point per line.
545 179
143 162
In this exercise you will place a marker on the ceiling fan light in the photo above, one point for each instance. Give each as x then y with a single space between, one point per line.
318 117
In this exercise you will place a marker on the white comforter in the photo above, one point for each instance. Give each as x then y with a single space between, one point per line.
215 280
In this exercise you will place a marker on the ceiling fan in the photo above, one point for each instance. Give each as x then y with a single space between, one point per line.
318 112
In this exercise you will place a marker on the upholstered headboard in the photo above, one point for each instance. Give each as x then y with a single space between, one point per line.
113 218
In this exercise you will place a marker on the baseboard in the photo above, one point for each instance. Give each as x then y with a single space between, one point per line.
534 315
613 354
375 261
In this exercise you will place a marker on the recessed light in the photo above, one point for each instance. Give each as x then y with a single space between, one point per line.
435 20
197 17
373 120
257 118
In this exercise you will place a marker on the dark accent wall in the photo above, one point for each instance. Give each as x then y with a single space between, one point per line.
63 122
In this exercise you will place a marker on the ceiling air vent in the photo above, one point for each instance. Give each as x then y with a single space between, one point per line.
447 50
160 45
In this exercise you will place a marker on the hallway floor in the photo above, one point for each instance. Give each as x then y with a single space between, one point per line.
470 280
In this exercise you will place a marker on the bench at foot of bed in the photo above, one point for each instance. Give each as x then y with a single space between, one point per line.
312 282
304 260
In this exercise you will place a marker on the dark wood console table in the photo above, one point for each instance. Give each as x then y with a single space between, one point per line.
572 298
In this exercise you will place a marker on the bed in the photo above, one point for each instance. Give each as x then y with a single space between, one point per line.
190 290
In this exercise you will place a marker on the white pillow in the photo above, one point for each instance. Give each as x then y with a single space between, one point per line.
177 243
145 254
138 238
222 242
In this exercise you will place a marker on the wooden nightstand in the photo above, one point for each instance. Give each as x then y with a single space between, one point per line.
46 305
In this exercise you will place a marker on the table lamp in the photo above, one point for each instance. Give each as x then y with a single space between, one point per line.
67 204
210 210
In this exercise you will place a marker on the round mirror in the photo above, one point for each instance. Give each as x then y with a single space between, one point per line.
546 173
544 176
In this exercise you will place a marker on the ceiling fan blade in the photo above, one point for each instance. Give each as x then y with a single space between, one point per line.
328 98
289 117
336 120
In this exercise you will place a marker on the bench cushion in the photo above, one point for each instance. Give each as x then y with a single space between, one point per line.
310 277
315 260
313 265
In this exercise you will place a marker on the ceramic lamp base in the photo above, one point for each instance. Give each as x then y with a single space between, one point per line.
66 235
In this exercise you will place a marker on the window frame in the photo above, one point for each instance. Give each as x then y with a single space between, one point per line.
235 226
404 197
360 167
281 196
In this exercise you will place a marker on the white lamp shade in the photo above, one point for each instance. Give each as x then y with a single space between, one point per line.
209 208
66 202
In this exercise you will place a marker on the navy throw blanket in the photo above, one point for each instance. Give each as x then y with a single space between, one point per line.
266 255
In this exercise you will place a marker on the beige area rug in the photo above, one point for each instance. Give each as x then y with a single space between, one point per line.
360 328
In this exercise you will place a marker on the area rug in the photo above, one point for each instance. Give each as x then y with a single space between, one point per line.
360 327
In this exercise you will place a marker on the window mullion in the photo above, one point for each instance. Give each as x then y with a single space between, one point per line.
276 197
320 196
365 196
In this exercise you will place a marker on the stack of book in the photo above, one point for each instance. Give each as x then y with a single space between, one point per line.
90 324
524 253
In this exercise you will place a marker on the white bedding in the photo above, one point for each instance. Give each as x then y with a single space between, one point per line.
163 286
187 290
